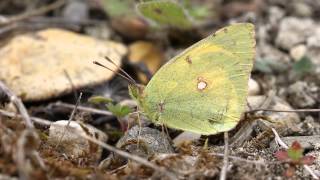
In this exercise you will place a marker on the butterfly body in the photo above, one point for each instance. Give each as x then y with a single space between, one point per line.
203 89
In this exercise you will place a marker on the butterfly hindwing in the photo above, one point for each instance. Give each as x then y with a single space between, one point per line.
203 89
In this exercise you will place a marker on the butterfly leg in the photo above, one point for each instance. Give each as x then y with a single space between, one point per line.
140 126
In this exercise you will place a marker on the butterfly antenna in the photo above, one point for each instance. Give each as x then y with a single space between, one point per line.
123 71
130 80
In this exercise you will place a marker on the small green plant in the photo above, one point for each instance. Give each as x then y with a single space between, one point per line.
294 156
303 66
118 110
263 66
99 100
116 8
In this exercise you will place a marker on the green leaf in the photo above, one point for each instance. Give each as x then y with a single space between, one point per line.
197 10
119 7
262 66
119 110
99 100
303 66
295 152
165 13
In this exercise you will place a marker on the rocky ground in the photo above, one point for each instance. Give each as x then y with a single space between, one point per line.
47 49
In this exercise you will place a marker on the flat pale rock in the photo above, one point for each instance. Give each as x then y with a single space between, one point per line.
36 66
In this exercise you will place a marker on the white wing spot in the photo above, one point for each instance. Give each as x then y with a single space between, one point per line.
202 85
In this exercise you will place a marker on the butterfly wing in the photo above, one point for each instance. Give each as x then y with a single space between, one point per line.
204 89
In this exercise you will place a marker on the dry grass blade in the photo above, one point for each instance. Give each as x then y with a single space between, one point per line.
224 169
235 158
287 111
70 119
28 135
36 12
26 149
18 103
34 119
124 154
132 157
85 109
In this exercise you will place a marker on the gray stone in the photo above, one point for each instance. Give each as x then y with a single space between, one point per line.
293 31
254 87
276 60
145 142
298 52
71 143
301 94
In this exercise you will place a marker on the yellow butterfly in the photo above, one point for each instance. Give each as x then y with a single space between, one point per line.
203 89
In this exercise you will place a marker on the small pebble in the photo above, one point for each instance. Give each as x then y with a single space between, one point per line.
302 94
302 9
293 31
254 88
144 142
185 137
298 52
72 144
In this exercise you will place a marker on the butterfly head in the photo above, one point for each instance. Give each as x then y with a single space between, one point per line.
136 92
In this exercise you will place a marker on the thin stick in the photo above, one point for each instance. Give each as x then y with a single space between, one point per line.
82 108
278 139
34 119
41 10
22 153
132 157
18 103
108 147
289 111
48 123
240 159
223 174
284 145
70 119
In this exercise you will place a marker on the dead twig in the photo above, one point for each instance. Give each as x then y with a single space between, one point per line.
42 10
288 111
82 108
18 103
235 158
284 145
27 144
132 157
29 135
34 119
108 147
223 174
70 119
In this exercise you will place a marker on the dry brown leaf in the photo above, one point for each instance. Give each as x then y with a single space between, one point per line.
147 53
